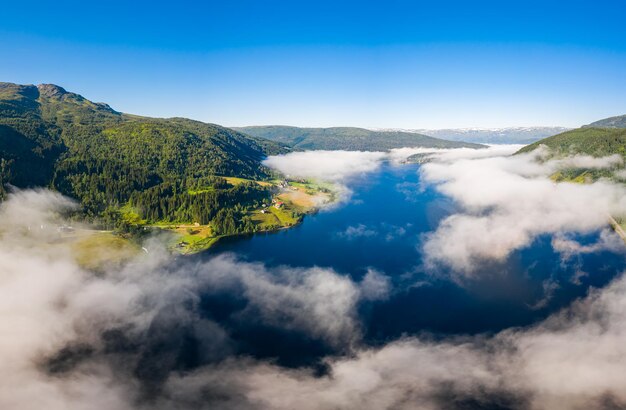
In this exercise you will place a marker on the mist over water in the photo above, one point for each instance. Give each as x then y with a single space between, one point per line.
382 228
353 309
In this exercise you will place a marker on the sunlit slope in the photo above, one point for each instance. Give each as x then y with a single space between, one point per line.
611 122
54 138
597 142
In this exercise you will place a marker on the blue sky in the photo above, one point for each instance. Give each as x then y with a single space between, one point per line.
402 64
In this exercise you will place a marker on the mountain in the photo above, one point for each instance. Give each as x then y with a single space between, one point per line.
348 138
107 159
601 138
510 135
612 122
597 142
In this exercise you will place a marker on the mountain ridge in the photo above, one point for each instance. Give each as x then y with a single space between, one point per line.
618 121
592 141
347 138
496 135
58 139
600 138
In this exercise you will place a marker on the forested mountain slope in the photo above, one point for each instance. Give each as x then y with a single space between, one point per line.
597 142
58 139
612 122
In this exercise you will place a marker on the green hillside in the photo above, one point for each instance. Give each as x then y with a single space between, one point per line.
110 161
348 138
612 122
597 142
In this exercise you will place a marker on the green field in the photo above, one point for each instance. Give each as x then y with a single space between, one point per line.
201 190
237 181
95 250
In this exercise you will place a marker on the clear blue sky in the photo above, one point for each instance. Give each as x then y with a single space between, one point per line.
405 64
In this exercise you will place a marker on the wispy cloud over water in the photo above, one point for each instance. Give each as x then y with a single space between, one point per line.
508 201
159 332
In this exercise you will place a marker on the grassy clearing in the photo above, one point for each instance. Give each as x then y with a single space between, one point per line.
303 200
233 181
188 238
275 218
264 220
286 215
313 187
237 181
295 202
201 190
306 196
99 249
582 177
203 244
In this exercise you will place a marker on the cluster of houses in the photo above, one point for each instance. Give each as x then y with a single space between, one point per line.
275 203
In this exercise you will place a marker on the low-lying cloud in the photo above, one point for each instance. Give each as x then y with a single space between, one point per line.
160 333
388 232
575 359
341 166
508 201
333 166
569 247
76 339
357 231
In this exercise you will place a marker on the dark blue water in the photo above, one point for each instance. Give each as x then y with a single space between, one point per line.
378 228
382 227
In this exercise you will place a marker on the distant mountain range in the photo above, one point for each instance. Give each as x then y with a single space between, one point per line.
510 135
348 138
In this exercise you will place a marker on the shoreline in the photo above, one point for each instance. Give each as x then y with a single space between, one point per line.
617 228
290 205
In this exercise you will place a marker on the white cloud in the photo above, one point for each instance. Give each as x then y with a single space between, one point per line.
334 166
317 301
453 154
569 247
357 231
375 286
48 303
621 174
340 166
509 201
574 359
388 232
